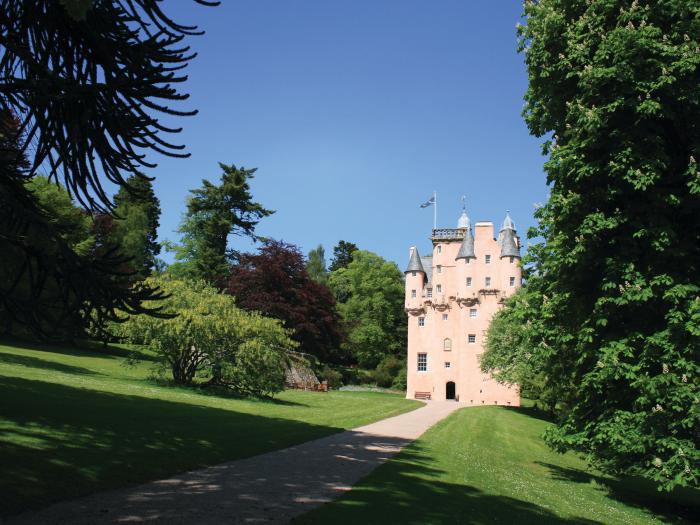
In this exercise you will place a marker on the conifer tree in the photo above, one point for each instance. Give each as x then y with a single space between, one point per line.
316 265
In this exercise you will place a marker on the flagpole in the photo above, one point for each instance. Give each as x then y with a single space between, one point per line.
434 210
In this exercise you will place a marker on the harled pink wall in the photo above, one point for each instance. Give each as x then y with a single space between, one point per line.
472 386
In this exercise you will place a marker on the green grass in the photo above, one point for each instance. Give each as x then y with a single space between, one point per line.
77 421
489 465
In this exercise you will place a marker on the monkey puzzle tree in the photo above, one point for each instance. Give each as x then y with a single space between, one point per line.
614 84
82 88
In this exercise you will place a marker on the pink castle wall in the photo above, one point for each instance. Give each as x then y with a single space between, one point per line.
456 299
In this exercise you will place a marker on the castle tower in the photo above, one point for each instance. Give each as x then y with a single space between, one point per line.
451 297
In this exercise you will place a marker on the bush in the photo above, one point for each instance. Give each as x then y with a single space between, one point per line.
245 350
387 371
400 380
333 377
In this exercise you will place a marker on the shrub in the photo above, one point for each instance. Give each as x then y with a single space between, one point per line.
245 351
388 370
333 377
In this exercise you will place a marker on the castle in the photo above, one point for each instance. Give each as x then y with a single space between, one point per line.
451 296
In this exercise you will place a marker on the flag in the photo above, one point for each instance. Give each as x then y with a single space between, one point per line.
430 201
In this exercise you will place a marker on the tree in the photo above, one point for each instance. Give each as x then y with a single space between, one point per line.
316 265
510 356
342 255
84 85
89 80
615 85
214 212
373 307
136 228
207 330
274 281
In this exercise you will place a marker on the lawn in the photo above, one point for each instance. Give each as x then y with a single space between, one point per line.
77 421
488 465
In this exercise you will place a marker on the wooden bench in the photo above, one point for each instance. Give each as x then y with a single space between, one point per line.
422 395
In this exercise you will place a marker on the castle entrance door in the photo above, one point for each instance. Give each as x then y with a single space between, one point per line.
450 390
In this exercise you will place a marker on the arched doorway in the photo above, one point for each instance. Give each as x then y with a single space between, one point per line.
450 390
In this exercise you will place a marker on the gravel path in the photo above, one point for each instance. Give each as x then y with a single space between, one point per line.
269 488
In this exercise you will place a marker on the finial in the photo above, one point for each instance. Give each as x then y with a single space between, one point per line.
464 202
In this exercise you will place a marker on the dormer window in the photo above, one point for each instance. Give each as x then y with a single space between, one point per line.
487 259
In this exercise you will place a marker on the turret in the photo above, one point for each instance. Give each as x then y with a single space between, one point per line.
466 250
508 238
415 278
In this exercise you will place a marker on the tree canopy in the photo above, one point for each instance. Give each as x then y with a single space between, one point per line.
316 265
274 281
614 88
215 212
342 255
372 307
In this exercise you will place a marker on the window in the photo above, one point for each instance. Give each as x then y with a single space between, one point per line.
439 269
421 321
447 344
512 281
472 313
413 294
438 288
422 362
447 364
511 260
444 317
430 293
413 274
439 249
469 282
488 259
487 282
471 339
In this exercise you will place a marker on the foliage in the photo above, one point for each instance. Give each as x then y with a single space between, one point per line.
510 356
342 255
615 83
373 308
274 281
388 370
316 265
136 227
81 422
247 350
214 212
400 379
90 82
332 376
84 85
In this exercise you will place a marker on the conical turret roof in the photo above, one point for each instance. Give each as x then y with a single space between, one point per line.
466 250
509 244
414 264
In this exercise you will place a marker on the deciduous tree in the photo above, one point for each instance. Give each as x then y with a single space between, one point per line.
274 281
614 87
373 307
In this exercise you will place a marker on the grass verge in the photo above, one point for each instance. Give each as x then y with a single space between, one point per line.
489 465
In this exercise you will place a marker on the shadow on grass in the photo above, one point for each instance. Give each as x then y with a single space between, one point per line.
35 362
405 491
60 442
80 349
534 412
682 502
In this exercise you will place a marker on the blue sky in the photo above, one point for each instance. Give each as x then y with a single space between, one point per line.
354 112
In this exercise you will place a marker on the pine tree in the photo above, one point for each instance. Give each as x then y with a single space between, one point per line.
342 255
316 265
